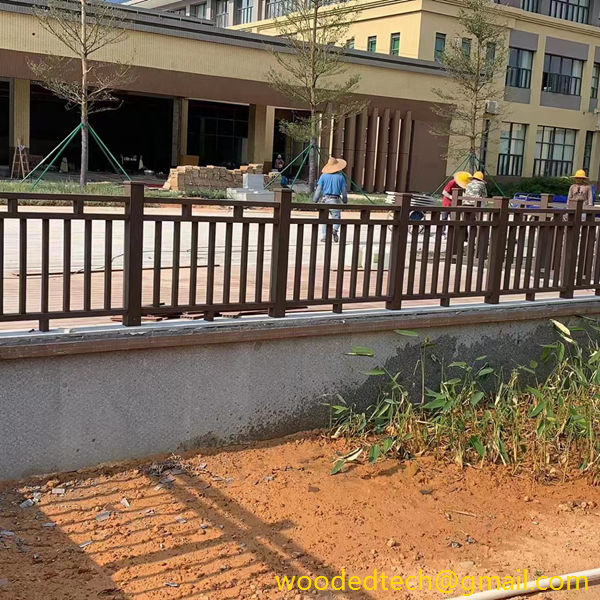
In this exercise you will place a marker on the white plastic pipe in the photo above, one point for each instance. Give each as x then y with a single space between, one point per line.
533 587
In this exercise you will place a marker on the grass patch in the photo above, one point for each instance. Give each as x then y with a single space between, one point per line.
377 199
549 425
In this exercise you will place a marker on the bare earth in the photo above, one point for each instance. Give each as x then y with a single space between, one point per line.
236 519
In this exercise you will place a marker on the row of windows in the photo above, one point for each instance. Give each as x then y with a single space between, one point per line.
465 43
569 10
562 75
372 44
554 150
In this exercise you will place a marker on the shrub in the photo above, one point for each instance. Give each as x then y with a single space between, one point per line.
558 186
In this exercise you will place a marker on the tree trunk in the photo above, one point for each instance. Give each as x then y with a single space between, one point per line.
84 100
313 162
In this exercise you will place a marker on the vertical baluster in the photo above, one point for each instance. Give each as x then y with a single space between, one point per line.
193 263
22 266
520 251
108 227
412 261
354 263
175 263
227 265
44 324
312 262
339 284
424 257
210 267
244 262
260 260
66 265
87 265
327 262
157 270
437 251
298 261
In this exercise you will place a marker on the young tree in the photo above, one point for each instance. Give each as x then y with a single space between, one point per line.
312 72
475 65
84 28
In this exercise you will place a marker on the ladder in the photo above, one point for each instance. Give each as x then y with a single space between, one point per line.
20 163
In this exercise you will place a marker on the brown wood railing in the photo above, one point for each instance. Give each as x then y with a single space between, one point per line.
136 261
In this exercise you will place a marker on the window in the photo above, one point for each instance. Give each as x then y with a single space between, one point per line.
350 44
466 47
198 10
570 10
512 149
277 8
595 80
530 5
587 151
518 71
490 55
372 43
562 75
243 11
554 150
395 44
222 14
440 46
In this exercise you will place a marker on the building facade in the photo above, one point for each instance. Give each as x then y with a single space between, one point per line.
549 106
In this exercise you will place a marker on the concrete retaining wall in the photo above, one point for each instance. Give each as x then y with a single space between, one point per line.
71 400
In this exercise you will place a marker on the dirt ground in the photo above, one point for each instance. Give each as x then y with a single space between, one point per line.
231 521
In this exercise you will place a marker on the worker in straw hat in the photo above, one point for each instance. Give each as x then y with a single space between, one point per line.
332 186
581 189
476 188
459 180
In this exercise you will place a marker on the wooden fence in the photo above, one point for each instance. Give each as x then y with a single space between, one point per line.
136 261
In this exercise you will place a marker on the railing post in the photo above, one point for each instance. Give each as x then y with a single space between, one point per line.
497 252
132 267
398 251
571 245
280 252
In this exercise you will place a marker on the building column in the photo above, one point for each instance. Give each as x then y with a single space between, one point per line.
19 114
402 174
261 129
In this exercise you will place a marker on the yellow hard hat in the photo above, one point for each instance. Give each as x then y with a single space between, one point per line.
580 174
462 178
479 175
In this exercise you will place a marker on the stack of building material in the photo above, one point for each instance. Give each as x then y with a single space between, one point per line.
188 177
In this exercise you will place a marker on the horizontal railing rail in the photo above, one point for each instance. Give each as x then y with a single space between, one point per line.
124 257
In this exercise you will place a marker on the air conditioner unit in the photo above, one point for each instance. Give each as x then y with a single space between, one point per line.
492 108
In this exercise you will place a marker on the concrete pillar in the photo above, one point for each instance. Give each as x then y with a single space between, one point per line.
392 158
19 115
261 129
338 137
404 155
183 128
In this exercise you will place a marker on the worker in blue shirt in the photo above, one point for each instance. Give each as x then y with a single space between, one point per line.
332 185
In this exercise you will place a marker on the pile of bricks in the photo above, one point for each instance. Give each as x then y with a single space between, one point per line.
190 177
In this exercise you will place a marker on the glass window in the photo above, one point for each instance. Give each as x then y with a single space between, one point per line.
530 5
372 43
440 46
395 44
350 44
595 80
570 10
518 71
562 75
198 10
587 151
466 46
243 11
554 151
512 149
222 14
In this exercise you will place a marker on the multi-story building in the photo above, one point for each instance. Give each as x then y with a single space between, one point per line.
549 108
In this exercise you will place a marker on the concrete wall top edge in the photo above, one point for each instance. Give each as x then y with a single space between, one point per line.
251 329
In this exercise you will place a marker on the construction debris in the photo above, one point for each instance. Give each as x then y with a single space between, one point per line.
185 178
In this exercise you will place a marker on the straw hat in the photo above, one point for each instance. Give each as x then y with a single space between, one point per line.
479 176
334 165
462 178
580 174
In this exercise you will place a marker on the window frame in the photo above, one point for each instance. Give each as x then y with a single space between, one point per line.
563 83
510 163
372 41
395 44
438 53
546 163
518 76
